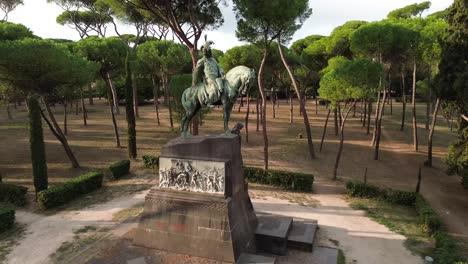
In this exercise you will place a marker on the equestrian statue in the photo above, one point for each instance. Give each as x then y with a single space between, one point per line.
213 87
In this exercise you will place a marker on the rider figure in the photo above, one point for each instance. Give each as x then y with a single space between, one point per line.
213 75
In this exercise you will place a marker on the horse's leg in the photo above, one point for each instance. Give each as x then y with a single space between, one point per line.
227 107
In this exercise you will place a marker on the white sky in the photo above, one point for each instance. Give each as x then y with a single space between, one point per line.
40 17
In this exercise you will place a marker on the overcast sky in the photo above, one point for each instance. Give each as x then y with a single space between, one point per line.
40 16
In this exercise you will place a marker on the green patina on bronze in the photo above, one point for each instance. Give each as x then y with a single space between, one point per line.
212 87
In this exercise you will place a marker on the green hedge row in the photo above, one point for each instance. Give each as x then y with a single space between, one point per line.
61 194
120 168
150 161
360 189
428 217
7 218
13 194
284 179
447 250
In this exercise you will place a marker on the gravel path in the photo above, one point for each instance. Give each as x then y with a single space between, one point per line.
45 234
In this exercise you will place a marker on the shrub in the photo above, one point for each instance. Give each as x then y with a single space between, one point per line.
284 179
61 194
150 161
13 194
428 218
400 197
7 218
120 168
360 189
323 102
447 249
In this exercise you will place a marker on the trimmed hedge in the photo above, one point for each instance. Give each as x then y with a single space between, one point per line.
356 188
61 194
150 161
7 218
120 168
13 194
284 179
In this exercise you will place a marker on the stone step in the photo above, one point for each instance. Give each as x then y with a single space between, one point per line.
272 233
255 259
302 235
325 255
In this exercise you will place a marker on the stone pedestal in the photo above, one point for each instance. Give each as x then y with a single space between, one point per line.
201 206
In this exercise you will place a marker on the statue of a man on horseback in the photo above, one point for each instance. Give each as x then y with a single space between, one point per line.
213 87
210 73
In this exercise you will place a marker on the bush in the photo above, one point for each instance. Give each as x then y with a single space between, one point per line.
323 102
150 161
7 218
400 197
428 218
284 179
120 168
13 194
61 194
360 189
446 249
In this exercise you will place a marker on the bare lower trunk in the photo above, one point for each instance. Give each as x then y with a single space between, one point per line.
291 109
324 130
272 103
258 113
55 129
115 98
316 102
428 108
90 94
431 133
8 110
135 96
111 109
302 103
155 100
364 113
247 120
379 129
403 100
171 119
376 119
264 124
340 149
65 116
335 112
241 103
369 112
415 125
85 113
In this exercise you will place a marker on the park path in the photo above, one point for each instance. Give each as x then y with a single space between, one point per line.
45 234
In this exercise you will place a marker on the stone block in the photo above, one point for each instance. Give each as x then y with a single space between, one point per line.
302 235
272 233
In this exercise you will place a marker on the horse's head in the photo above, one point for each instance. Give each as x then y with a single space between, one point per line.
247 80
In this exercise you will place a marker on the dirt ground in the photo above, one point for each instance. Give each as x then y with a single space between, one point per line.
94 147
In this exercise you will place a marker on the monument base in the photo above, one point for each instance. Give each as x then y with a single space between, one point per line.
219 226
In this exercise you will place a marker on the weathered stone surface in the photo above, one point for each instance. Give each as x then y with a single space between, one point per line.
272 233
255 259
215 225
302 235
324 255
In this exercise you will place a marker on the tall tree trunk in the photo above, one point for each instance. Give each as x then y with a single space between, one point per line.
369 112
85 113
258 113
363 113
247 119
379 128
55 128
241 103
403 100
8 109
316 102
65 126
340 149
76 106
261 72
155 99
272 100
110 97
135 95
302 105
340 118
291 108
171 119
90 94
36 143
376 121
129 110
415 125
431 133
335 113
115 97
428 103
324 129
